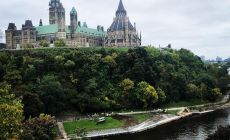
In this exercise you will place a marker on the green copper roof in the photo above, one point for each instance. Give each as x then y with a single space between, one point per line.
90 31
73 11
48 29
52 29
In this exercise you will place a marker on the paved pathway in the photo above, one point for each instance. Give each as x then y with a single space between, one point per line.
141 112
62 131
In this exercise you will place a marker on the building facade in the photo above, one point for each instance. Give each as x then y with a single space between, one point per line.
14 37
74 35
122 33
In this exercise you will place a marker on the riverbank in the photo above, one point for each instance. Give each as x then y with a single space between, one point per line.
146 125
149 124
153 123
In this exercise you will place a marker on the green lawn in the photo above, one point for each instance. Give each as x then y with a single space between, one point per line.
110 123
141 117
185 103
89 125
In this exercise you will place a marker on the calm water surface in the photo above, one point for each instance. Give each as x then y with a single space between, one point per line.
195 128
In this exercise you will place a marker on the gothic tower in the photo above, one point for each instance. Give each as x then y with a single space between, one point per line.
57 14
122 33
9 36
28 32
73 20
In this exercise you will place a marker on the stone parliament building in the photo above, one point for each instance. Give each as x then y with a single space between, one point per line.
121 33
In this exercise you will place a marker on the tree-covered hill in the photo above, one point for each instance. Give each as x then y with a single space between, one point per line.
105 79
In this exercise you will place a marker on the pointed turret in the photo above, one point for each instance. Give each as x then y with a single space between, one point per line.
73 20
126 33
73 11
121 10
40 23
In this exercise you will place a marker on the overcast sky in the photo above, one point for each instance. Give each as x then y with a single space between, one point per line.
202 26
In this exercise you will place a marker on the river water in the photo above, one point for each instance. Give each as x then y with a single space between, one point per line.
195 128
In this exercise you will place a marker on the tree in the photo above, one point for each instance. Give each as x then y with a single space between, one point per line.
13 77
11 114
44 43
59 43
39 128
192 91
146 94
51 93
59 59
27 46
161 95
110 61
69 64
33 107
203 90
215 94
127 85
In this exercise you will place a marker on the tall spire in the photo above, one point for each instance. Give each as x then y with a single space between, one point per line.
121 10
73 11
40 23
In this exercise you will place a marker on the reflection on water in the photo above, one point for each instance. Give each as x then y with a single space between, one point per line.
195 128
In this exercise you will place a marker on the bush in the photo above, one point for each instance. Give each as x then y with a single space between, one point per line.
27 46
44 43
215 94
11 114
39 128
59 43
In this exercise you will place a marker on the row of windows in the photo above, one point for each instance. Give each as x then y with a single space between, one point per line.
81 36
30 33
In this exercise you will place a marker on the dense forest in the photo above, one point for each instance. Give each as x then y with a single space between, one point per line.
89 80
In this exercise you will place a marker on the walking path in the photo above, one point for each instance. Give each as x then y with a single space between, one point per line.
140 112
62 131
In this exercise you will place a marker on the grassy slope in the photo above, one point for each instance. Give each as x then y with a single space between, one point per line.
89 125
110 123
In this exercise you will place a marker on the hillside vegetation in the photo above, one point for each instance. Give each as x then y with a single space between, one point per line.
88 80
